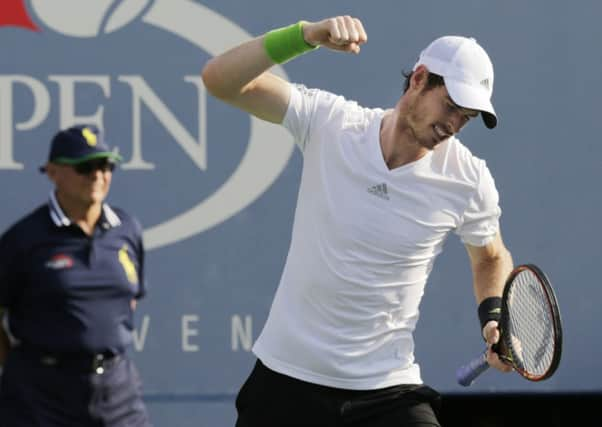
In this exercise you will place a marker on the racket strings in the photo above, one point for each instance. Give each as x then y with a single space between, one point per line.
530 334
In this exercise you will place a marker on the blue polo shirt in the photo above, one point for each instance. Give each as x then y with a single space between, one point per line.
65 291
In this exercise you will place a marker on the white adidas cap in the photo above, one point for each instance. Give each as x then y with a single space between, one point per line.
466 70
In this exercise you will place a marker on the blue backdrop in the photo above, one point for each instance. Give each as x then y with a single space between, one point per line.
215 189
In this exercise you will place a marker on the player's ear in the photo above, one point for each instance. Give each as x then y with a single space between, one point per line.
419 78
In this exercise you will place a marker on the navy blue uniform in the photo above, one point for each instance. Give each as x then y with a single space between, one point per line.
68 297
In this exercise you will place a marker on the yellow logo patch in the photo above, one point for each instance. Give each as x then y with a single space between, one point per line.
90 137
128 265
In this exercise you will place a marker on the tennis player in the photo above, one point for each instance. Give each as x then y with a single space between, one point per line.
380 191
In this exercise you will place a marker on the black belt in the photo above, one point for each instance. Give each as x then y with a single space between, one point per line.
97 363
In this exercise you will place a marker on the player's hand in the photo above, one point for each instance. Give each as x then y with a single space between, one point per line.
342 33
492 335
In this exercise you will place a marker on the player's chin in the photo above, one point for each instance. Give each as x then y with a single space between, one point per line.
432 139
430 143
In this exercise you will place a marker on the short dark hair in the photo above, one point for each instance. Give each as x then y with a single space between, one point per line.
433 81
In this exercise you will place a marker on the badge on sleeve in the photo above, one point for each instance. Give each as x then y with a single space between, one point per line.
128 266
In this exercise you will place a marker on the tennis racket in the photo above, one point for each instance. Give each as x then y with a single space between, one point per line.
530 328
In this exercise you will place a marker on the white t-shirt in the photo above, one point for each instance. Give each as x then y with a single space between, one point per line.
363 243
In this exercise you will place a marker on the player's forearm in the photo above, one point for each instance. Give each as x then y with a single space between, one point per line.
239 78
490 274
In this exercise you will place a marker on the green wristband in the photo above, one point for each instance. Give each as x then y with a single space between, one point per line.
283 44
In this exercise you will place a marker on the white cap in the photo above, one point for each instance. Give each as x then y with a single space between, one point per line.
466 70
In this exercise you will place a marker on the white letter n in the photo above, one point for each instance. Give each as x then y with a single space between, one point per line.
240 334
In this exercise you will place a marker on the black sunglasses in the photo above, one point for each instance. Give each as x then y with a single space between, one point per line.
86 168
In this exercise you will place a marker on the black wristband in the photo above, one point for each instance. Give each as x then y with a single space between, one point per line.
490 309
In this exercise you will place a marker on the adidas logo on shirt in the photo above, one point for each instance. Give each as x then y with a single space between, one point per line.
379 190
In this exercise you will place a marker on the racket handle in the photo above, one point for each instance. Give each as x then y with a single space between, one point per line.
468 373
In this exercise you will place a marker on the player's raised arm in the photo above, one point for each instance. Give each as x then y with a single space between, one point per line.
239 75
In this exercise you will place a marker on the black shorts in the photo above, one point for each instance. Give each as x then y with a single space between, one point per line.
270 399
